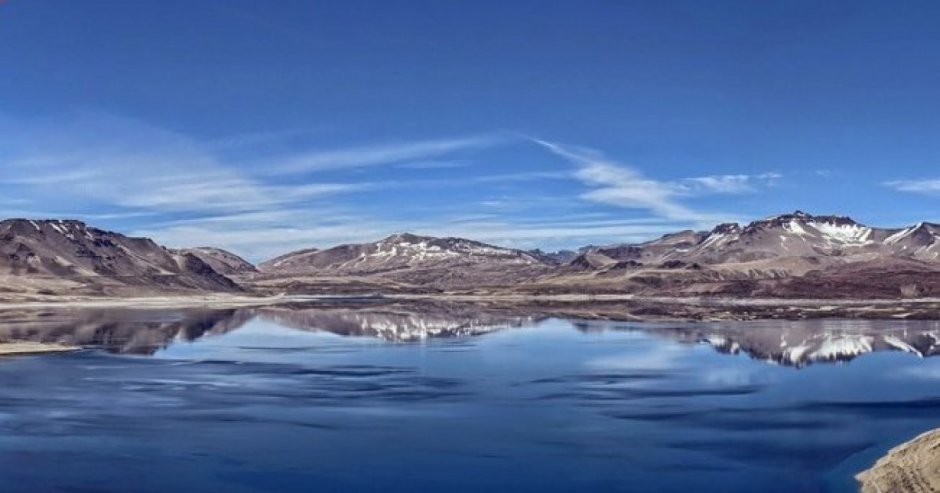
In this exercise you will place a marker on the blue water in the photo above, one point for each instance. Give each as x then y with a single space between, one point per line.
551 405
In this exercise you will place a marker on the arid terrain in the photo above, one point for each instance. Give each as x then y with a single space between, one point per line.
779 267
64 257
790 256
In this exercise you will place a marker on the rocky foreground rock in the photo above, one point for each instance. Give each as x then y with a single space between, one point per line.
913 467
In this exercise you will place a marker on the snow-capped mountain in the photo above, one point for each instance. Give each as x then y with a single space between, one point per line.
797 236
405 254
921 241
66 254
791 255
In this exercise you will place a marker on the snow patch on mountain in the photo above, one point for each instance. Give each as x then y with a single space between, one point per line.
843 233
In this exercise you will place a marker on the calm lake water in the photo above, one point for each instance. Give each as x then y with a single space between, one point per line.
437 398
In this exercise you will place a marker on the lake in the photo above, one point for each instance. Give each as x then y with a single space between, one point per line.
376 396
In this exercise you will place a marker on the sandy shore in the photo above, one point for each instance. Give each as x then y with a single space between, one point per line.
25 347
913 467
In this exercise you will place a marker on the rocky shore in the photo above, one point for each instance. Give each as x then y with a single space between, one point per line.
913 467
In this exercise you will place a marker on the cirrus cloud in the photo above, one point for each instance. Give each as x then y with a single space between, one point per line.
618 184
926 186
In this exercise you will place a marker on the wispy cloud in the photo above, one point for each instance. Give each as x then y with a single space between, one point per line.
433 165
475 180
183 192
53 178
728 183
186 192
378 154
121 163
926 186
618 184
626 187
262 138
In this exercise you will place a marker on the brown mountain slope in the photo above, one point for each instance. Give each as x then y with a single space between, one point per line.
56 256
222 261
798 235
794 255
791 255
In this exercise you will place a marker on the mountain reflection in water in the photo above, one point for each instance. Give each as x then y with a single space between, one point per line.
126 331
800 343
143 332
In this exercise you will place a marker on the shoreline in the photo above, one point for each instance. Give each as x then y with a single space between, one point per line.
26 348
184 299
609 306
233 300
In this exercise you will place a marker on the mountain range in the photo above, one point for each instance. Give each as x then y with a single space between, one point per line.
789 255
799 235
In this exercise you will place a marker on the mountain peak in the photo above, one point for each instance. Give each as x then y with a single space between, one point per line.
70 229
801 217
404 237
36 223
806 216
726 228
45 221
927 226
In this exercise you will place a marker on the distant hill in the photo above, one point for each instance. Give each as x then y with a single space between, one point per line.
222 261
429 262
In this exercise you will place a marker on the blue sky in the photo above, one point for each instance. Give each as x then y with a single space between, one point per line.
268 126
